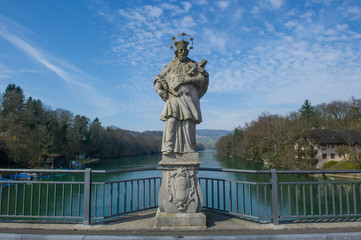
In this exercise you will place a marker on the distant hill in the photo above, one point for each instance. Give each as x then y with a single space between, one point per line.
209 137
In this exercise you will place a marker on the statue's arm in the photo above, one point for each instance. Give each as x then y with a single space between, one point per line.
198 80
160 87
160 84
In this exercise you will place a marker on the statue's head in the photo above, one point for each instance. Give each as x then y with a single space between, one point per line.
181 46
182 51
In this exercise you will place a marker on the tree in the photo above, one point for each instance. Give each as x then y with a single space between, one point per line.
307 110
78 132
355 113
12 101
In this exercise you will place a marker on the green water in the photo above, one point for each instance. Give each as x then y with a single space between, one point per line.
46 199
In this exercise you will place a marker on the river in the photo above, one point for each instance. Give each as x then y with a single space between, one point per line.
209 160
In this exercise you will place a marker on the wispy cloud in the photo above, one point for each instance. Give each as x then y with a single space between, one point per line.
313 54
353 12
273 59
73 77
5 72
276 3
223 4
34 53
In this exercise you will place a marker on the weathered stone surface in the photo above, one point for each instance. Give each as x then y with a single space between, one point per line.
181 84
180 221
173 159
180 191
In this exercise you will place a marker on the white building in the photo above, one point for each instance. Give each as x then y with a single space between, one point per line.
324 145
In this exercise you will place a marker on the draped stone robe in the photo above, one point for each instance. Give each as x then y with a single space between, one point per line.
182 110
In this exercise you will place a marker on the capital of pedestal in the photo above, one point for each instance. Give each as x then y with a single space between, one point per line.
180 159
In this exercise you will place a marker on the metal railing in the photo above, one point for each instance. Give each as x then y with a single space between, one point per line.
85 199
267 198
276 200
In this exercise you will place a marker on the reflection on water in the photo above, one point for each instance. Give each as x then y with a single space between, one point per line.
304 198
208 159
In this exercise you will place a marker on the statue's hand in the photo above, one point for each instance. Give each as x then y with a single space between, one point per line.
163 94
186 80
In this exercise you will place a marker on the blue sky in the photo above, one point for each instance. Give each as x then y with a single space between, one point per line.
98 58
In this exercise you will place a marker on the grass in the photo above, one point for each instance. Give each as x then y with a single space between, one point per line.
344 165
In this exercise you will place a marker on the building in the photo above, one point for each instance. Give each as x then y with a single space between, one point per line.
54 161
324 145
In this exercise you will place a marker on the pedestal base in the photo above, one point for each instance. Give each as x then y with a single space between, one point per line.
180 221
180 196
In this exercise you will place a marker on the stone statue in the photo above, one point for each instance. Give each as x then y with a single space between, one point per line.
181 84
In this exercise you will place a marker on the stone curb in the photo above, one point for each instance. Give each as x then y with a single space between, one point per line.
325 236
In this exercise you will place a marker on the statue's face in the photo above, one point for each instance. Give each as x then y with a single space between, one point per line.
182 54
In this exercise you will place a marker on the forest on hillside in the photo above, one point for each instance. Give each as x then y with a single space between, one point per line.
30 131
271 137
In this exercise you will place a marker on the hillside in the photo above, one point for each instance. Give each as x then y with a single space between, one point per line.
209 137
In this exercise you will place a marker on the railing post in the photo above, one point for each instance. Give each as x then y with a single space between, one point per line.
274 196
87 196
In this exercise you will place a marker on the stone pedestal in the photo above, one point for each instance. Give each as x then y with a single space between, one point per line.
180 196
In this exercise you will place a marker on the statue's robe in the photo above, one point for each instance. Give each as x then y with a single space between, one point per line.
182 110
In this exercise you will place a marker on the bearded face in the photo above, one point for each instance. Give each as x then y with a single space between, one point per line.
182 54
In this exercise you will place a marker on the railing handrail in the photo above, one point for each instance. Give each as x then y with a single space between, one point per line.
316 171
279 171
160 168
77 170
126 170
235 170
42 170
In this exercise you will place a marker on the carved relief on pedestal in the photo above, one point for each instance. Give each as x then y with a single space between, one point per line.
181 188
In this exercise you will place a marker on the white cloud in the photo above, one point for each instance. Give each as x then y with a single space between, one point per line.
216 40
34 53
187 6
269 27
291 24
255 10
246 29
313 51
133 15
238 13
283 70
187 22
73 77
201 2
153 11
354 12
276 4
174 9
223 4
5 72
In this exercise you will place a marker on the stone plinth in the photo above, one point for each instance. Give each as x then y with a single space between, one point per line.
180 196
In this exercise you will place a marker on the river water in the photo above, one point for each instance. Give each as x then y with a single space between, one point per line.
45 197
209 159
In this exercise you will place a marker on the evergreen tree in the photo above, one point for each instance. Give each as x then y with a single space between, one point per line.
307 110
12 102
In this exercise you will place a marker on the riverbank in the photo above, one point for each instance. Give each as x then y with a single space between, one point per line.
86 160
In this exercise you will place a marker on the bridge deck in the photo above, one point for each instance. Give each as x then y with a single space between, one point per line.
141 224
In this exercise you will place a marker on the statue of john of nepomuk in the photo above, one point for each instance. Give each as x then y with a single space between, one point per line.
181 84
